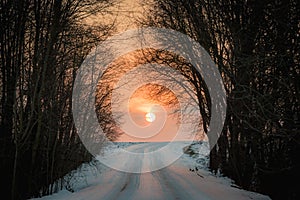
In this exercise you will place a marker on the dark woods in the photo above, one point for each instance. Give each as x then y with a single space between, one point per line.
42 44
255 44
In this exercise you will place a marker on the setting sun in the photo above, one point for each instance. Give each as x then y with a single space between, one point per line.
150 117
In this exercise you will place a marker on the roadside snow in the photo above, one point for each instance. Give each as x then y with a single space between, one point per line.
181 180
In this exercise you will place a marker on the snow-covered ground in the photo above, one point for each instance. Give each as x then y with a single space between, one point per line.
181 180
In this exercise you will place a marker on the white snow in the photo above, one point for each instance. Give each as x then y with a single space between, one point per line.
96 181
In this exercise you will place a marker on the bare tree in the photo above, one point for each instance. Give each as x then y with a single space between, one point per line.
254 44
43 42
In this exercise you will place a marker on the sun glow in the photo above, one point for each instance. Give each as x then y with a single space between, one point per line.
150 117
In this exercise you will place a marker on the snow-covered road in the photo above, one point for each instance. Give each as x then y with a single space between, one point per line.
173 182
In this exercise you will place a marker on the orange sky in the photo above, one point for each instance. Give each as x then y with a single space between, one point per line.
124 15
147 98
142 103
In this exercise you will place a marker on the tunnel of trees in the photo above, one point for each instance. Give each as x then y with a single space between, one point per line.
254 43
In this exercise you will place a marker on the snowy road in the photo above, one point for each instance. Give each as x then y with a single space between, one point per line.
173 182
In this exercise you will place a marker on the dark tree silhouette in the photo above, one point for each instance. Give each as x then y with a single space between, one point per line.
255 45
42 44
